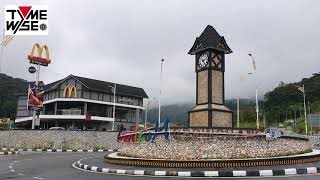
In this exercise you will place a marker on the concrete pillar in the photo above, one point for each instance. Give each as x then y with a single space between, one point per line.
55 108
85 108
137 116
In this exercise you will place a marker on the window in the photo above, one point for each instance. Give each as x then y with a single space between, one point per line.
107 97
86 94
94 95
57 94
135 102
101 96
79 94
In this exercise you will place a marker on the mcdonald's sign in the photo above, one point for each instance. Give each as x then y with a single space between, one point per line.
70 92
44 61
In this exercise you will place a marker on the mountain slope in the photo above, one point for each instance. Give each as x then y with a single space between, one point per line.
9 89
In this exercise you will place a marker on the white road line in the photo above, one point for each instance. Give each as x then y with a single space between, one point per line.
211 173
10 167
239 173
38 178
159 173
12 170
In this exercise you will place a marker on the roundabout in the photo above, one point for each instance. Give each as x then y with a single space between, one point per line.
31 165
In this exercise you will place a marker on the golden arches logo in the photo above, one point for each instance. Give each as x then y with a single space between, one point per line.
39 59
69 90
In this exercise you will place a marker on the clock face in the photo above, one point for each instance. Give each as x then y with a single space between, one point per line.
203 60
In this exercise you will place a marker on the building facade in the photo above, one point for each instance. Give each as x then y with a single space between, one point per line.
82 103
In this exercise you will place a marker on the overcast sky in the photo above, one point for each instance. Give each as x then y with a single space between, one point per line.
124 41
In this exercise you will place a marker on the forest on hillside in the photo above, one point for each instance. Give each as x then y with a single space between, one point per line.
286 101
9 89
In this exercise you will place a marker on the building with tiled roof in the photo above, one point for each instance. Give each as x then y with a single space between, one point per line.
83 103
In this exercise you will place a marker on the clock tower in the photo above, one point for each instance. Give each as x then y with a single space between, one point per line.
209 50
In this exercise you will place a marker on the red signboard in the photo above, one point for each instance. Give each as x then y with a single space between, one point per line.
88 118
35 99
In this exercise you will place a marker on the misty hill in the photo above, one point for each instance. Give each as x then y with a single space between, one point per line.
178 113
9 89
286 101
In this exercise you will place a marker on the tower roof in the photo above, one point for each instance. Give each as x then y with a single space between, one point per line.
210 39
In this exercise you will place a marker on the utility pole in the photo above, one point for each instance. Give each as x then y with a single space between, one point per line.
257 101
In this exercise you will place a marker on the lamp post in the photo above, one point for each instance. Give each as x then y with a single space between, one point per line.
114 89
304 104
159 120
257 102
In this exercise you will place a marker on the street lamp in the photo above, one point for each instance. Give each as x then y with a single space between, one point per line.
114 89
257 102
304 104
159 120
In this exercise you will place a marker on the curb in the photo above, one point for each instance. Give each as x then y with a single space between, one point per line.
222 173
8 152
61 150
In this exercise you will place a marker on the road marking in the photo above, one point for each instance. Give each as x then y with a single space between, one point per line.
20 174
37 177
12 170
10 167
159 173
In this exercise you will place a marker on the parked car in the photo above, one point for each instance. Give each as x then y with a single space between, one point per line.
57 128
74 129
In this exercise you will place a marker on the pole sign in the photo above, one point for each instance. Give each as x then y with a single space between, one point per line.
38 59
32 70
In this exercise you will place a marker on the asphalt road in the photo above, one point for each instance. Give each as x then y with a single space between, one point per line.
54 166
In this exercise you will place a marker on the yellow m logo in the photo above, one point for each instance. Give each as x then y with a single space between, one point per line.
40 50
70 92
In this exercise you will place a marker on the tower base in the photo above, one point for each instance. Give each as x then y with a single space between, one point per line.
210 116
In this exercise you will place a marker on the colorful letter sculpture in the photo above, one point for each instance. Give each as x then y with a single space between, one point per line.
139 136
